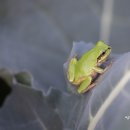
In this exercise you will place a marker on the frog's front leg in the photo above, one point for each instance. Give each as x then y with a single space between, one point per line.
71 69
98 69
84 85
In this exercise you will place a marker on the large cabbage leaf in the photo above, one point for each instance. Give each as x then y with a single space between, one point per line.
104 107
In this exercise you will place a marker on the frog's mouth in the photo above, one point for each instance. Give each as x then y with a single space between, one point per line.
103 56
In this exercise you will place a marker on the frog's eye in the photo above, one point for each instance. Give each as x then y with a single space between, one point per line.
103 53
109 48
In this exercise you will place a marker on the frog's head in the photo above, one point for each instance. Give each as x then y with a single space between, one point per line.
104 51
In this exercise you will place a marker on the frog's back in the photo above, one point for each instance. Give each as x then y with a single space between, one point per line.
89 58
82 68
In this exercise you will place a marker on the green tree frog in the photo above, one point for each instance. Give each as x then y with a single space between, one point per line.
82 71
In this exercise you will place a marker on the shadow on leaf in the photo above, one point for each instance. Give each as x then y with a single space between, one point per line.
5 90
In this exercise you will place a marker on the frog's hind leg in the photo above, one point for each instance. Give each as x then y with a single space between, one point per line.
71 69
84 86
